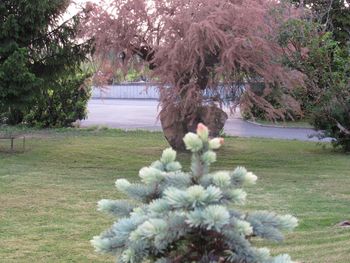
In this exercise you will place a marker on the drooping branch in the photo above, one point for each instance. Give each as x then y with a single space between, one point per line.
147 54
196 46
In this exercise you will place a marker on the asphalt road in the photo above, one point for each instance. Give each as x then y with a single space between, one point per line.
142 114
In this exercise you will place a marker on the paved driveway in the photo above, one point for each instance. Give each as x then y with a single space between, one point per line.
142 114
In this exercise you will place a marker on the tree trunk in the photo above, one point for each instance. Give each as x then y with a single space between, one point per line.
14 117
175 127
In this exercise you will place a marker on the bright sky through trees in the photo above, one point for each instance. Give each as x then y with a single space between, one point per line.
75 7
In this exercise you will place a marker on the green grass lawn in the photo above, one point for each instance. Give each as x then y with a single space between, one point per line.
48 194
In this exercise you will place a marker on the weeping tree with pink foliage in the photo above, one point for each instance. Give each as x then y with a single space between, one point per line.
203 53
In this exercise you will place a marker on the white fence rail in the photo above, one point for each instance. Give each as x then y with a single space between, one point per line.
150 91
126 91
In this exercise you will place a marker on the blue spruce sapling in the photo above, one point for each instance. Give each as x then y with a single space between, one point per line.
176 216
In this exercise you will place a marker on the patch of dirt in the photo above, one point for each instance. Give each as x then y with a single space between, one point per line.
345 224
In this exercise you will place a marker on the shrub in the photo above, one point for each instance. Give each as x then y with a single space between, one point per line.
330 110
61 105
177 216
326 65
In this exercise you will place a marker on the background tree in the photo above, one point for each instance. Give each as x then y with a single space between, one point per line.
196 47
334 15
326 96
37 54
319 47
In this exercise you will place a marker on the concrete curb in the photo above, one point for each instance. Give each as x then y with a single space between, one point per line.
276 126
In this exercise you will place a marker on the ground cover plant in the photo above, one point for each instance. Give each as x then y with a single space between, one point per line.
48 194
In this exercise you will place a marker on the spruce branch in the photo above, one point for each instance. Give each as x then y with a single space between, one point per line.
189 216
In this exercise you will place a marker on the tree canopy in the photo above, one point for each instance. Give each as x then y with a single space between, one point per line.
333 14
196 47
36 50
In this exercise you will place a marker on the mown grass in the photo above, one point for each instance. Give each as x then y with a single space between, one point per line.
48 194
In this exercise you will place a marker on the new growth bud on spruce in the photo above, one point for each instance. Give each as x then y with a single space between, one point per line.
193 142
122 184
150 175
243 227
177 216
216 143
202 131
221 179
250 178
168 155
209 157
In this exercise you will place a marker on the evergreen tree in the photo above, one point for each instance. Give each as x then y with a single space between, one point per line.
37 52
177 216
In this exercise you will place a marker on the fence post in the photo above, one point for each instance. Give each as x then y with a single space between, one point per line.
24 143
